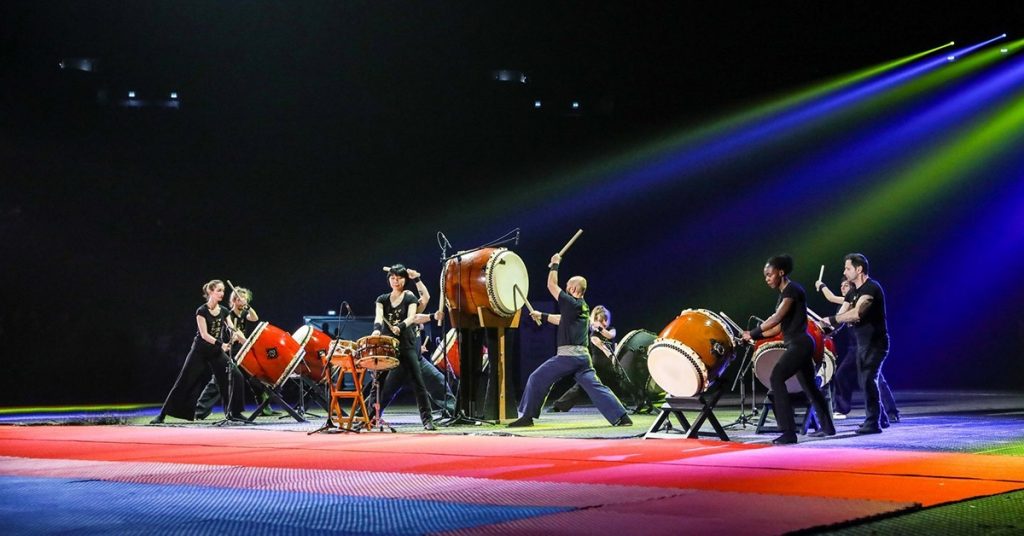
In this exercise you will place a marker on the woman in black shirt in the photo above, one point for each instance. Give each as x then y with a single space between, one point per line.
790 318
398 309
208 355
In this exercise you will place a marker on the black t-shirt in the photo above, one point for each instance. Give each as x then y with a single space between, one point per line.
241 321
872 329
574 325
794 324
607 343
214 324
393 315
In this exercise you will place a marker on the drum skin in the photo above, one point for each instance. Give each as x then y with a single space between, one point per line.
317 344
479 280
768 351
691 353
269 354
452 349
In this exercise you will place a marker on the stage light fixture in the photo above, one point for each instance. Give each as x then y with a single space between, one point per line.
536 104
131 94
174 94
950 58
575 105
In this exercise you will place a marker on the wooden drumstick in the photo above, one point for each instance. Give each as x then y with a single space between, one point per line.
821 273
386 268
527 302
569 244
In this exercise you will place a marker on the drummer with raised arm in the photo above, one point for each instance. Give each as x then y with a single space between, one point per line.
395 315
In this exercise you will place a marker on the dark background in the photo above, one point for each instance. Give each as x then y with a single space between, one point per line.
318 141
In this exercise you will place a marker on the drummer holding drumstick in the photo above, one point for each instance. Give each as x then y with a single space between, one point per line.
397 310
790 318
573 356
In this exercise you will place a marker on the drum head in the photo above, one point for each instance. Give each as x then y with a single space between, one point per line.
377 362
827 369
676 368
765 358
506 271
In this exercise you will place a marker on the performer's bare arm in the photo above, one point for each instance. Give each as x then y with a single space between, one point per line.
855 313
378 317
554 319
553 287
771 326
832 298
421 288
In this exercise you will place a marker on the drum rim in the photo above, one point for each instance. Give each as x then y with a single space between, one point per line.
492 294
629 336
249 342
690 354
715 318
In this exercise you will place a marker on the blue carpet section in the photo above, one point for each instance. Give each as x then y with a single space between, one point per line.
52 505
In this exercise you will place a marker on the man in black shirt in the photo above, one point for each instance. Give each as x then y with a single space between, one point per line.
790 318
864 308
573 356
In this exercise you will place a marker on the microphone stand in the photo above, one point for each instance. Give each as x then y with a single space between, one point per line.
231 369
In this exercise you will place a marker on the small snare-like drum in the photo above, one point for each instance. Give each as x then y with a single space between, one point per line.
269 354
487 279
317 344
767 353
691 352
377 353
631 354
450 349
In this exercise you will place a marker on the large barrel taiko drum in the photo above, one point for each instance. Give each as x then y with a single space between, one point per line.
485 279
691 353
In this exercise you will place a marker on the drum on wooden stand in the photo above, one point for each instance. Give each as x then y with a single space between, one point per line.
484 279
377 353
316 344
767 353
691 353
269 354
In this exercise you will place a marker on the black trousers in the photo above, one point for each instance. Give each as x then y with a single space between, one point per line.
441 398
203 360
869 363
798 360
408 368
846 380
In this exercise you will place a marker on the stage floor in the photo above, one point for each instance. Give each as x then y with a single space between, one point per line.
272 477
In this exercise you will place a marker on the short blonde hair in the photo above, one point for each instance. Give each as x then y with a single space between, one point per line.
244 291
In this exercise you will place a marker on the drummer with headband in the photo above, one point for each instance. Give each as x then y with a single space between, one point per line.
396 312
573 356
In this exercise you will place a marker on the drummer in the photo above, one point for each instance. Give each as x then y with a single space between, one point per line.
573 356
396 312
790 318
602 352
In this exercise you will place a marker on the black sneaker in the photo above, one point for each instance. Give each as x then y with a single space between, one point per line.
429 426
624 420
788 438
868 428
894 417
521 422
823 433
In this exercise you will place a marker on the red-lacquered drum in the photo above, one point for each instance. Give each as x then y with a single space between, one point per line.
269 354
767 353
484 279
377 353
691 353
450 349
317 344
